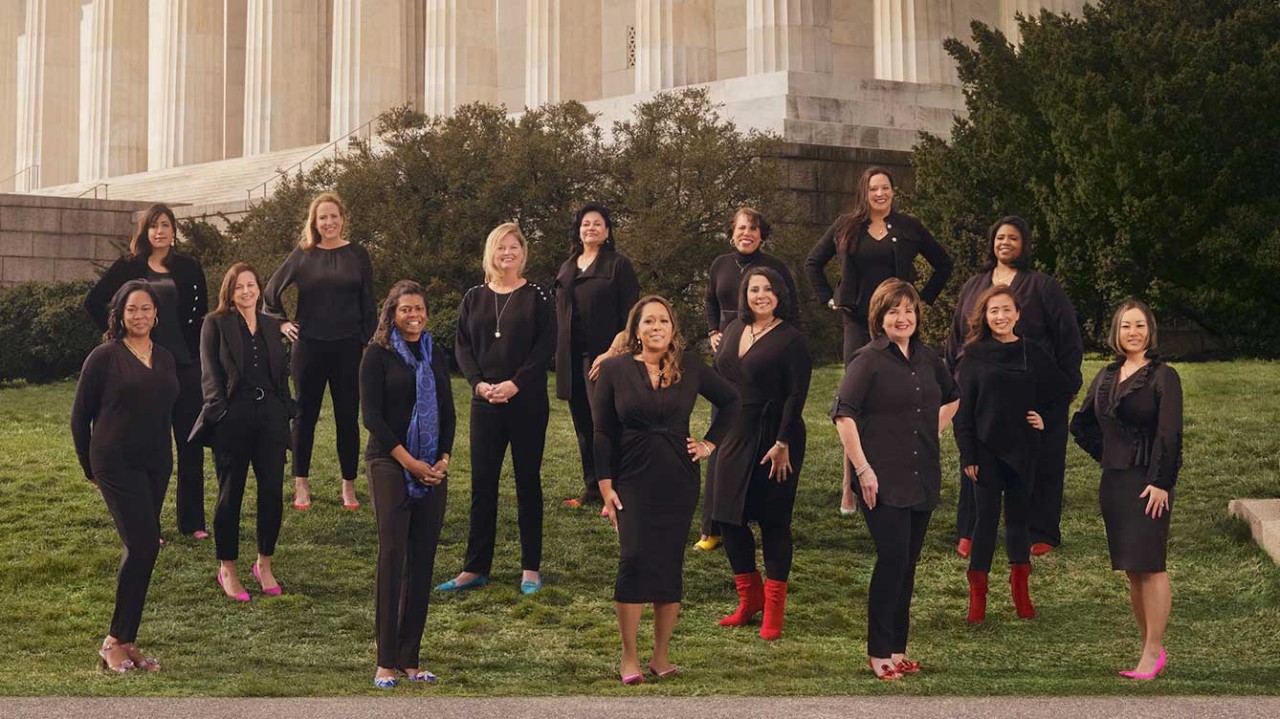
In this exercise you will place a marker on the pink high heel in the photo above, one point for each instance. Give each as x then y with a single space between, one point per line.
274 591
633 679
1147 676
241 597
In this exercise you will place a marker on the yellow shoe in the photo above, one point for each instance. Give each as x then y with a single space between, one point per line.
706 544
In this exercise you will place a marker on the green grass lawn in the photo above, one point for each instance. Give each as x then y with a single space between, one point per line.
58 555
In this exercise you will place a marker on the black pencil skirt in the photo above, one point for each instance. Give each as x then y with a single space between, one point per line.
1137 542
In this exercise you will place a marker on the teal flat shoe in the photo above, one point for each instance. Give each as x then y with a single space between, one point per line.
453 586
530 586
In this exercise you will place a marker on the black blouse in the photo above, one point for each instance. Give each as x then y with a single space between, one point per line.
120 418
1136 423
388 392
516 348
335 293
725 279
895 402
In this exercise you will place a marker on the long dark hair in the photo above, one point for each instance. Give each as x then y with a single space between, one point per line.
976 325
852 221
671 366
140 246
1028 249
226 299
575 242
115 318
776 283
386 318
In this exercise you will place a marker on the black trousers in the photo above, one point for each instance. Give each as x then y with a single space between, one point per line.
856 334
408 532
583 426
1044 515
190 501
522 424
336 363
740 548
134 498
898 534
998 481
252 433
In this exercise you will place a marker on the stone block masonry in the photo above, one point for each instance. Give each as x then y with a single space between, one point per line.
54 238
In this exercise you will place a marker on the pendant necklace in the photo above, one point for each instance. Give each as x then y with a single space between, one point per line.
757 335
497 313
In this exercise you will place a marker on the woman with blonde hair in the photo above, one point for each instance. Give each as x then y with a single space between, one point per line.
646 459
336 317
506 336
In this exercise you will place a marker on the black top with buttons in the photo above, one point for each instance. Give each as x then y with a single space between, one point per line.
188 280
254 359
895 402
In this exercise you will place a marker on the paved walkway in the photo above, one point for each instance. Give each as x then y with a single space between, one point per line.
652 708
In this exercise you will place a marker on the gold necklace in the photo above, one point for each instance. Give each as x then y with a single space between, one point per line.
998 281
143 357
757 335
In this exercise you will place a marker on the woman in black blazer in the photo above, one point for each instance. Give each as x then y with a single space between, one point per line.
246 416
595 289
184 299
407 406
875 243
1131 423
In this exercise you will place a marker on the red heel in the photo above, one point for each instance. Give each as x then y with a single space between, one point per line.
887 671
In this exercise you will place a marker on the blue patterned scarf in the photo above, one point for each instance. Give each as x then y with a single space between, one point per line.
423 440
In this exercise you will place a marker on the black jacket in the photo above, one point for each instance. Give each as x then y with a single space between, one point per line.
221 351
1136 425
610 289
193 293
909 237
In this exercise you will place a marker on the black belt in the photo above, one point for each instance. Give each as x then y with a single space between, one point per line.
254 394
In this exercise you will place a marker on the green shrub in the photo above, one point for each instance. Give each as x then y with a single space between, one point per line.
45 333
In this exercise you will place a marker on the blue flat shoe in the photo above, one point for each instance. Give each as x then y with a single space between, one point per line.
422 676
384 682
453 586
530 586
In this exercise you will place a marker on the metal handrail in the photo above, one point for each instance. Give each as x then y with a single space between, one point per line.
94 190
34 169
334 145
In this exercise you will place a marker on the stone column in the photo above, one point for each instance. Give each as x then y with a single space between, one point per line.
372 60
675 43
10 25
48 115
233 38
908 41
562 51
1010 9
461 55
186 83
790 35
113 113
286 75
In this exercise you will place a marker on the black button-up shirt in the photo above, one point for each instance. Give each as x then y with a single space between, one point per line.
255 370
895 401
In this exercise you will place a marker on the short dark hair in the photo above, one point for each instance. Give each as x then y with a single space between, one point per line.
776 283
115 317
140 244
1028 248
386 318
755 216
575 241
886 297
1113 337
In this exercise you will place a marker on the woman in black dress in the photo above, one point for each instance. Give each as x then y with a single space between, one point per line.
407 406
594 288
1046 318
1005 383
120 422
335 318
245 419
875 243
748 232
506 334
765 357
894 402
648 472
179 283
1131 422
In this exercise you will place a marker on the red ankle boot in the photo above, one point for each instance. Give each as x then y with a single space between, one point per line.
775 605
750 599
977 597
1018 575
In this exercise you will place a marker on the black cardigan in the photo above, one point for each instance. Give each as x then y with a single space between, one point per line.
611 288
193 293
1138 425
909 237
1046 317
221 351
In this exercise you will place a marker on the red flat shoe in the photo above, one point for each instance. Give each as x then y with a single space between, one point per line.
906 666
889 673
964 546
1039 549
352 507
572 503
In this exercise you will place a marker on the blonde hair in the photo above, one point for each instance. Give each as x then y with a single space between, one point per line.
671 366
1113 337
489 262
310 235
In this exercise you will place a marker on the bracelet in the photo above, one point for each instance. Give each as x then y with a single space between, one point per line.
705 448
857 471
781 445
